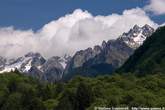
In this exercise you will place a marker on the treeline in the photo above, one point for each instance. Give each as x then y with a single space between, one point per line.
18 92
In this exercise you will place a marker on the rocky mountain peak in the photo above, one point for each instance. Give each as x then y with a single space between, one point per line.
147 30
97 49
148 27
137 35
33 54
136 28
104 44
2 62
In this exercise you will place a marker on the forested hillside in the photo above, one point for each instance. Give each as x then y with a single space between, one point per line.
18 92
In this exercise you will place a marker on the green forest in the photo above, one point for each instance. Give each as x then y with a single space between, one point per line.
19 92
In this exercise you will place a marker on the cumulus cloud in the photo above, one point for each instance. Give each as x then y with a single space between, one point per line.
68 34
163 24
156 6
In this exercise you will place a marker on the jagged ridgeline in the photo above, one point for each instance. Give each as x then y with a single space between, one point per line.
150 57
109 56
99 60
35 65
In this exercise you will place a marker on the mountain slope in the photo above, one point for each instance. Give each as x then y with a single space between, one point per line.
150 57
109 56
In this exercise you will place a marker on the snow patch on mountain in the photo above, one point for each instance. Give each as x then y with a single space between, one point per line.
137 35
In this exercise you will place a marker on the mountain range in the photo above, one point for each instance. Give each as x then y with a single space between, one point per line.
101 59
109 56
35 65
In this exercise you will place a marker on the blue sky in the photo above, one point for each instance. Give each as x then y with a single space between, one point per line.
59 27
33 14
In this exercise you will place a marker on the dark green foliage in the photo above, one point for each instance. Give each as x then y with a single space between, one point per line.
84 96
18 92
90 71
117 90
67 101
150 57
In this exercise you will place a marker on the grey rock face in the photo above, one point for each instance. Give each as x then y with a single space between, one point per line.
36 59
82 56
112 53
53 69
31 60
35 72
2 63
33 64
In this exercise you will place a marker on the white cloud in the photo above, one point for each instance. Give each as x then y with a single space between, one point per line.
163 24
68 34
156 6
